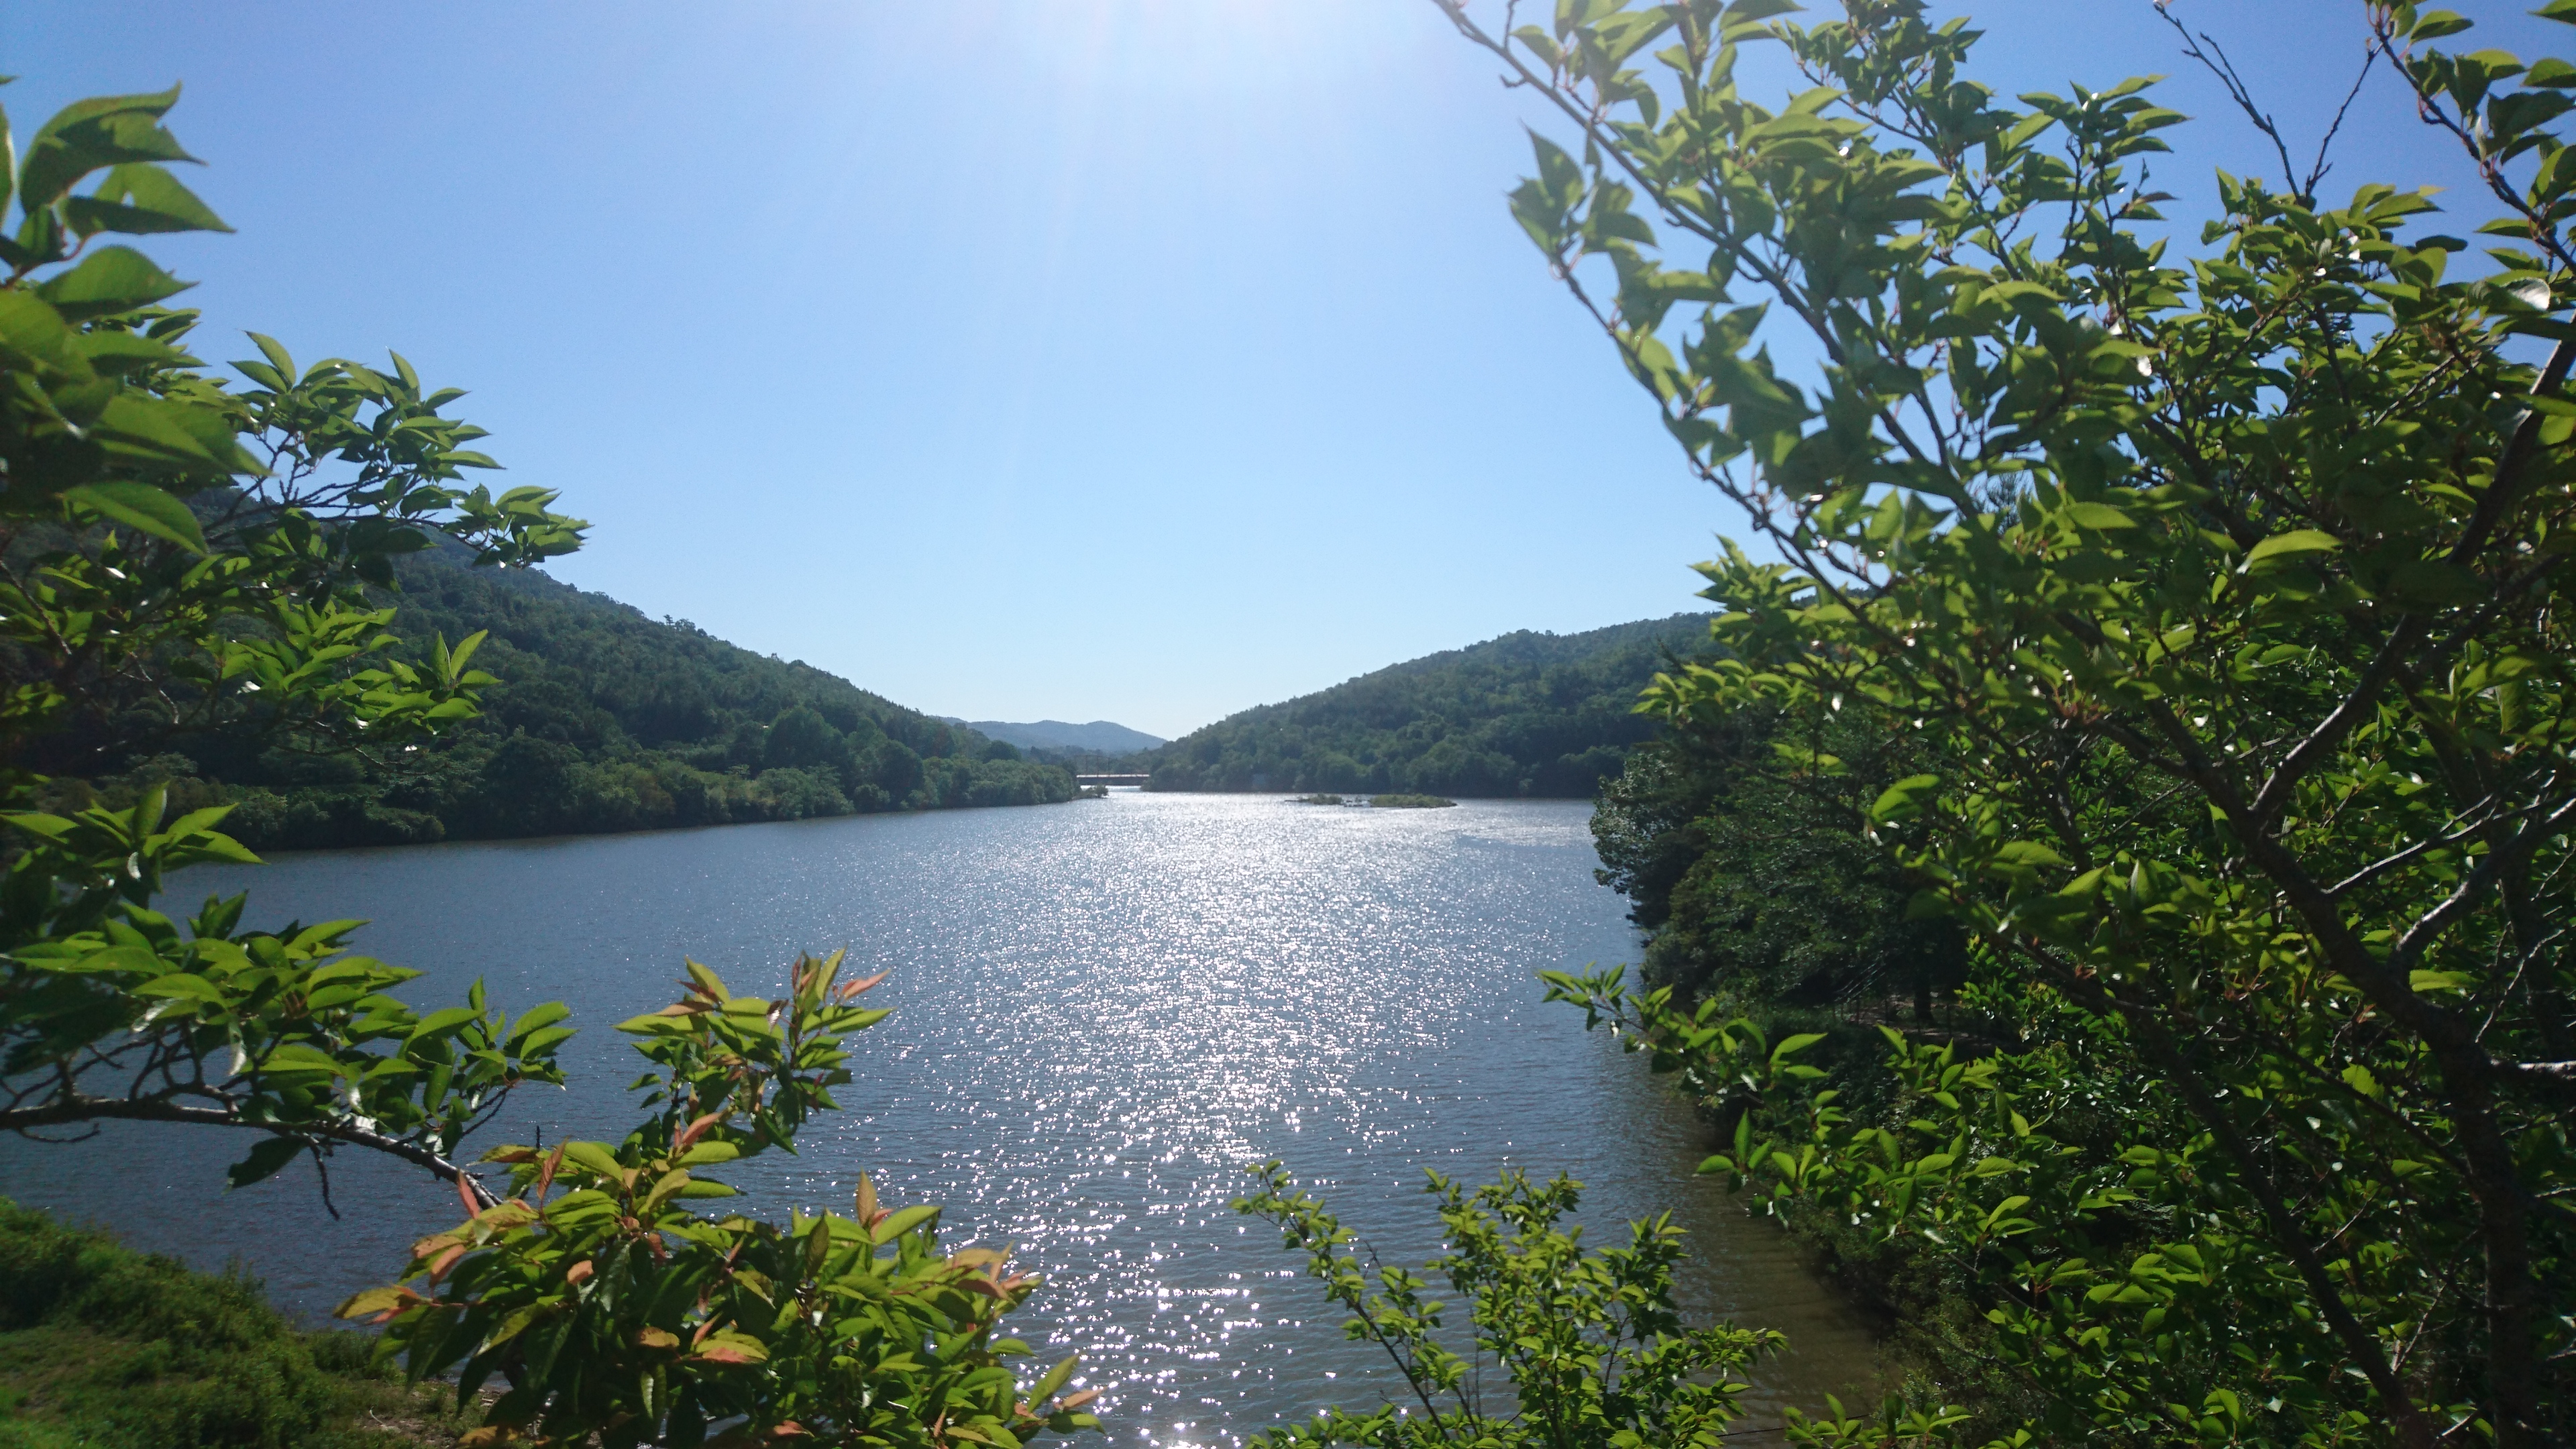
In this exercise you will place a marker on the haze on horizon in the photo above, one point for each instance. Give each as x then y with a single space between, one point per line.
1139 360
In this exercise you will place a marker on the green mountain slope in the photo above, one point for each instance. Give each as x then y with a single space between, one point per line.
1525 714
603 720
1101 737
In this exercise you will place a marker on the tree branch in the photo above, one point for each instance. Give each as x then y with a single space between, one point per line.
64 1111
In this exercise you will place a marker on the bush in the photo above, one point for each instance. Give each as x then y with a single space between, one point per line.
103 1346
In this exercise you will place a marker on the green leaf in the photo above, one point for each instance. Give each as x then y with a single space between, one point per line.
1903 798
171 434
538 1017
128 352
1045 1388
109 281
593 1157
2285 545
138 960
2100 517
1791 1046
45 827
141 506
179 985
277 355
31 332
86 135
264 1160
444 1023
140 199
904 1221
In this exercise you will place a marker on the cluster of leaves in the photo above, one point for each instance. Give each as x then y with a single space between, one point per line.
2081 1219
621 1317
167 540
112 1010
2226 600
1525 714
1590 1342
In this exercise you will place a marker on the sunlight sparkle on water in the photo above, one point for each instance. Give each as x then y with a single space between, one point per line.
1102 1012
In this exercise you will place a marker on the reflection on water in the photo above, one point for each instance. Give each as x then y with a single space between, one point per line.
1103 1011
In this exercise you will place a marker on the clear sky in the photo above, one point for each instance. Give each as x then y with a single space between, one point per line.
1128 359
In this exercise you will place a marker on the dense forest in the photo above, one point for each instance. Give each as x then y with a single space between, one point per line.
1755 885
1525 714
600 720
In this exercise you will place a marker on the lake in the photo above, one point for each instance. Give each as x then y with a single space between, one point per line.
1103 1010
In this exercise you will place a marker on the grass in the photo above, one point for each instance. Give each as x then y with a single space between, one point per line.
102 1347
1317 800
1409 802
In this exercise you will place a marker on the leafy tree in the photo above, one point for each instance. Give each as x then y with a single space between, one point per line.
2227 593
800 737
182 557
1752 879
178 555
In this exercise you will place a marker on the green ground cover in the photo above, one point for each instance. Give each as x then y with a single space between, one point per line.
107 1348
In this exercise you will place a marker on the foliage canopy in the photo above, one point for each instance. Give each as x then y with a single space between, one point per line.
2222 597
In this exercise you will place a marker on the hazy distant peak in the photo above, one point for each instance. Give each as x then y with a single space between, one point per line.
1104 736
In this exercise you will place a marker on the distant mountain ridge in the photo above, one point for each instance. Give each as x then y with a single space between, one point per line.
1104 737
1525 714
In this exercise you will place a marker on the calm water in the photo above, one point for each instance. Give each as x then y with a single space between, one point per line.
1103 1010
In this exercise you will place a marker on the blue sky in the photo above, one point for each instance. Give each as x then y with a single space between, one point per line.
1128 359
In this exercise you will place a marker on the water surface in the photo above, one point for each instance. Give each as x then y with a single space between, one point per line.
1103 1010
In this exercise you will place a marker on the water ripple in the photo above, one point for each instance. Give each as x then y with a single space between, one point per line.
1103 1011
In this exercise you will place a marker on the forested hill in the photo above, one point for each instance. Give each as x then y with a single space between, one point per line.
604 720
1525 714
1100 737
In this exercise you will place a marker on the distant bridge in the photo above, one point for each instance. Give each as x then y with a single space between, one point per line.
1111 779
